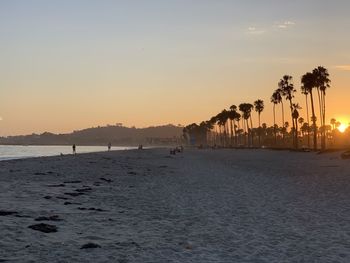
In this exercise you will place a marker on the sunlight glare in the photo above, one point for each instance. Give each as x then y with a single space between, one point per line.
342 127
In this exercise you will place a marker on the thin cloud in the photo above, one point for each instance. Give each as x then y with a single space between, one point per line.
254 31
285 24
343 67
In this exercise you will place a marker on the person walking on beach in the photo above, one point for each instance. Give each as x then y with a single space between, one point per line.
74 149
109 146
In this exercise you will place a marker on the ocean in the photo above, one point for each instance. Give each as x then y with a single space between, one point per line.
9 152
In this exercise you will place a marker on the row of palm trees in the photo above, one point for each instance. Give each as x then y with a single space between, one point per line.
234 127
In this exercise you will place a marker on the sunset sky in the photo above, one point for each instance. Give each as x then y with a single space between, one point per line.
67 65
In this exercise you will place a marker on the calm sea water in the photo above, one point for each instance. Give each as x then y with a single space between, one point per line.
20 152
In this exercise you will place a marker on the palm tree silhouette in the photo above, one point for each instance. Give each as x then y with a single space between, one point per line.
333 122
306 93
308 83
246 109
227 129
274 101
301 122
259 107
232 116
237 119
322 82
276 98
295 116
287 88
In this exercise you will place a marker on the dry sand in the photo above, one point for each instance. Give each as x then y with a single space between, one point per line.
198 206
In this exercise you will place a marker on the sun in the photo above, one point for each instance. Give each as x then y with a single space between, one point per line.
342 127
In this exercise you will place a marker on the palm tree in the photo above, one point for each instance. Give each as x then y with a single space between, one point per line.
287 88
308 83
259 107
246 109
295 116
301 122
237 119
213 120
333 122
305 91
276 98
232 116
322 82
222 121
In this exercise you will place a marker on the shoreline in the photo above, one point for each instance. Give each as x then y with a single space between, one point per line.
17 152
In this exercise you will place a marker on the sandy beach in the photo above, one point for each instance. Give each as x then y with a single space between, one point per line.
197 206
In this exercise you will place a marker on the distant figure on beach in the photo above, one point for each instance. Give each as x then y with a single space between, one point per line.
109 146
74 149
140 147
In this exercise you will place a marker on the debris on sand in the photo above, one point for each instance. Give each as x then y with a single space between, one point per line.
45 228
83 190
7 213
56 185
72 182
74 194
106 180
90 245
49 218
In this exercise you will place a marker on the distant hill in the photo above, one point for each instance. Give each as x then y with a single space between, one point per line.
117 135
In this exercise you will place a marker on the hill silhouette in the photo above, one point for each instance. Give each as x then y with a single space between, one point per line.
117 135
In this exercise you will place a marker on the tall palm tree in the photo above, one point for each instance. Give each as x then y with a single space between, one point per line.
333 122
237 119
222 122
246 109
276 98
274 101
213 120
322 82
287 88
305 91
259 107
232 116
301 122
295 116
308 83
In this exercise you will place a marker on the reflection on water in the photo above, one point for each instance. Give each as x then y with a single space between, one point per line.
8 152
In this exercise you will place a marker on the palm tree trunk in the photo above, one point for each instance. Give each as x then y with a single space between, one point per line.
308 121
235 133
291 112
320 104
259 131
274 122
324 118
282 121
296 133
231 133
251 131
247 142
313 121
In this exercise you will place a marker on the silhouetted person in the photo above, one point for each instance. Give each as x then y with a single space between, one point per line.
109 146
74 149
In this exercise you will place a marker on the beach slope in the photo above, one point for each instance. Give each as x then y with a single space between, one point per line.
197 206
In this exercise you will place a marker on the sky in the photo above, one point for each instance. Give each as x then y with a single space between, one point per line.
67 65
